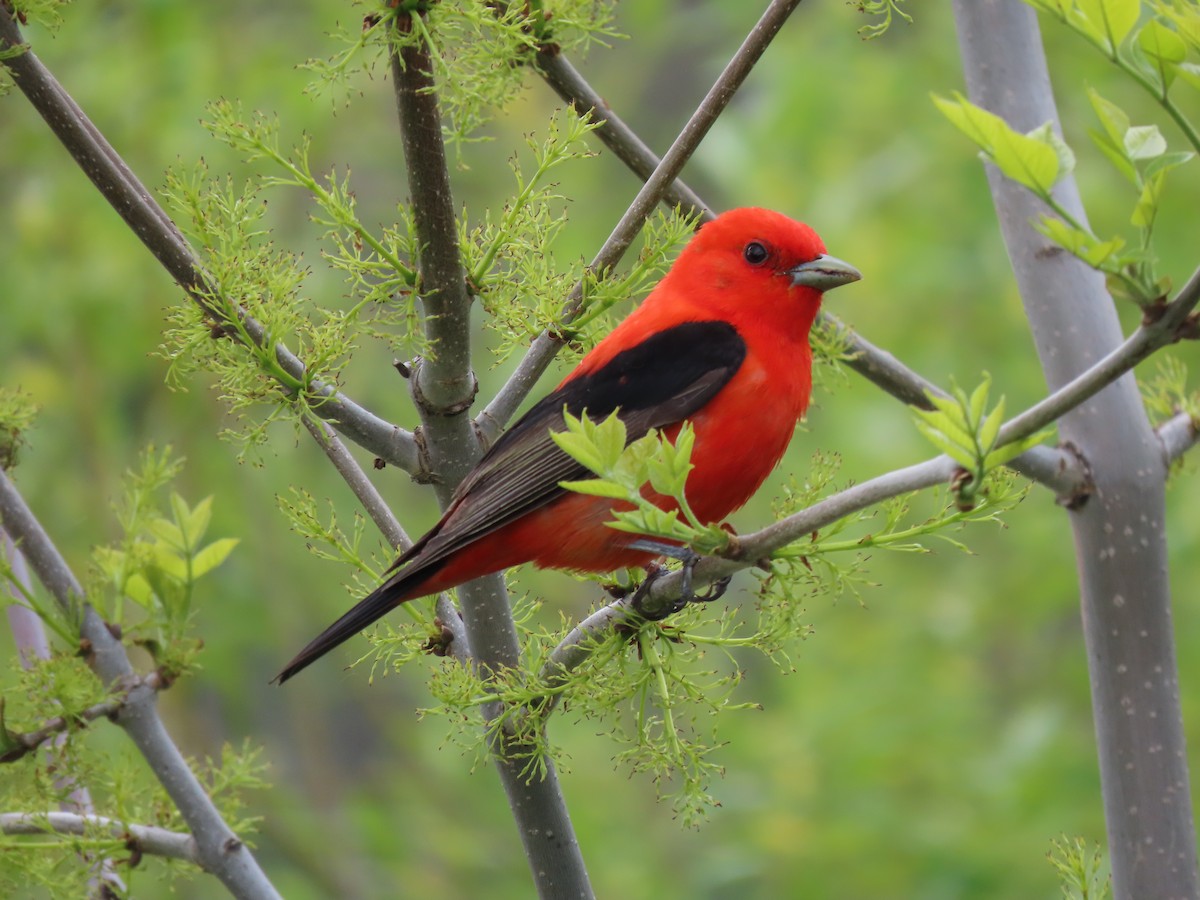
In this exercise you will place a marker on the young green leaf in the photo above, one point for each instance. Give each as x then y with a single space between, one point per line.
212 556
1027 160
1108 22
1163 48
1144 142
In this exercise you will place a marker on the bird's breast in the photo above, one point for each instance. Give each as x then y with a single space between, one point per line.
744 430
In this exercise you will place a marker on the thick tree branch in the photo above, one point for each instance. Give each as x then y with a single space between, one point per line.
220 850
1120 545
546 345
126 194
138 838
444 387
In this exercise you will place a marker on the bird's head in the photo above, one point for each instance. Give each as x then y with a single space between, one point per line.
759 261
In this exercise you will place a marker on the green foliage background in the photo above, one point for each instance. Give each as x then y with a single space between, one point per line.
935 735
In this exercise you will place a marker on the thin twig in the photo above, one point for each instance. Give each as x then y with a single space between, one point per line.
1141 344
126 194
145 839
546 345
29 741
612 130
221 851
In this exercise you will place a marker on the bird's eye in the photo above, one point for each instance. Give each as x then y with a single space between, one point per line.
756 253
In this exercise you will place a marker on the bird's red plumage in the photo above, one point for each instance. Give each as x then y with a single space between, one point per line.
741 430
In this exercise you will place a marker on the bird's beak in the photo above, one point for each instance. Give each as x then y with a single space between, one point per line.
824 273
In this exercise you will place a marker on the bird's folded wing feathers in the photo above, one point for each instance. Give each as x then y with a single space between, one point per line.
656 383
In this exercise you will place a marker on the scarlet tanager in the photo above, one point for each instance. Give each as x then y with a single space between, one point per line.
721 342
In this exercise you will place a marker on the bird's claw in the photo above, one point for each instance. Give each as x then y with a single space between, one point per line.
686 593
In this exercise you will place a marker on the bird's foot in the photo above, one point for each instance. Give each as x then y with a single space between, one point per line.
688 558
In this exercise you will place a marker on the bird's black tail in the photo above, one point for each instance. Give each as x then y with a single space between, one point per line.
366 611
404 585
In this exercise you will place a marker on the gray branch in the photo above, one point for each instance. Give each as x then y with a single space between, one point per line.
126 194
612 130
443 388
141 838
220 851
1178 435
1120 544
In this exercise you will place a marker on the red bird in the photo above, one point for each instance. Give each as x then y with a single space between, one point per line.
721 342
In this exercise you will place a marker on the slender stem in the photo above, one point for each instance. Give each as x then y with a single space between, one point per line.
358 482
141 838
622 140
219 849
31 740
121 188
547 344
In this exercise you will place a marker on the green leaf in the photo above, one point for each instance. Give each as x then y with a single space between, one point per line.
1164 48
1185 17
1066 156
138 589
212 556
1027 160
1111 116
597 487
949 428
1096 253
1144 142
170 563
957 453
1109 21
196 522
1013 449
168 533
979 399
1168 161
1147 205
1116 155
990 427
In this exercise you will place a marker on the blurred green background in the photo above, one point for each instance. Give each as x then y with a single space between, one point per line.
933 738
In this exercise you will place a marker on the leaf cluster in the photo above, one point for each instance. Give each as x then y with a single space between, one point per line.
17 412
155 565
1155 55
144 585
1082 870
479 49
967 431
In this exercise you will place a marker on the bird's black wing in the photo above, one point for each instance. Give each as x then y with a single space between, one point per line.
655 383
